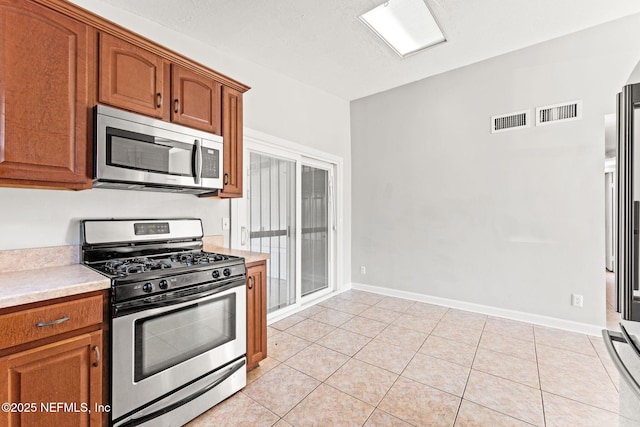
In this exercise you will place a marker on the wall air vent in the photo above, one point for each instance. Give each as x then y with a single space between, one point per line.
510 121
564 112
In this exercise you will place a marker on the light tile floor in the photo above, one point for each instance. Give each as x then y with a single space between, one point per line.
361 359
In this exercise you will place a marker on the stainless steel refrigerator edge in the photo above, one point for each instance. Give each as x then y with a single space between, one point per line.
628 295
624 346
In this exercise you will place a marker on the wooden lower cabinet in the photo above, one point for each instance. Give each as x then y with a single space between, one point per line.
57 384
256 313
52 360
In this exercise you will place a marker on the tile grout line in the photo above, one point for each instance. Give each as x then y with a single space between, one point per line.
605 368
499 377
535 348
584 403
256 402
475 353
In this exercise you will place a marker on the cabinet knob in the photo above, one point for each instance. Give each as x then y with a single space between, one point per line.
159 100
176 105
250 282
226 179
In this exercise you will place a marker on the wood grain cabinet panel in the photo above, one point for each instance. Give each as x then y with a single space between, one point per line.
65 372
195 100
45 58
232 133
132 78
37 323
256 313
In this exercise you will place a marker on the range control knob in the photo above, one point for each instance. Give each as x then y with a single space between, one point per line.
163 284
226 272
147 287
215 274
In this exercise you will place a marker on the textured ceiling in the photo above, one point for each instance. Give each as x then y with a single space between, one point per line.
322 43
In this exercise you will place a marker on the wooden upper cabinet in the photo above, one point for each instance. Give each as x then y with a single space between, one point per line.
195 100
45 62
133 78
232 134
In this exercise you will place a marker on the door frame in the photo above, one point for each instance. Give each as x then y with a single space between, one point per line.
278 147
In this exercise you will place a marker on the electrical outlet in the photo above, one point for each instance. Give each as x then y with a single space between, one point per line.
577 300
363 269
225 223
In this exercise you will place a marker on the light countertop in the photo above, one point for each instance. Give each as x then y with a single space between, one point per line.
249 257
27 286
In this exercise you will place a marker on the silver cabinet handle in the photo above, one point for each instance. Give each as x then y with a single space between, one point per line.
53 322
243 236
250 282
158 100
96 350
609 337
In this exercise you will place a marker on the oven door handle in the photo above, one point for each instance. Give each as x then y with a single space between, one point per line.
155 414
125 308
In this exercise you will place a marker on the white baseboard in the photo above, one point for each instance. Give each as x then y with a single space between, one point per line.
286 312
552 322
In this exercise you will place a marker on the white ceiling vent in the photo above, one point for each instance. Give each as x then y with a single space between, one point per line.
564 112
510 121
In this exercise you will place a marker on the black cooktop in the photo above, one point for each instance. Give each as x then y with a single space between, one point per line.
172 263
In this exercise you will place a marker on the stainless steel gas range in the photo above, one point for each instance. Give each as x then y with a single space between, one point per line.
178 327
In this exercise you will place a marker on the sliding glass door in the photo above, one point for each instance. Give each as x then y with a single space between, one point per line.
289 212
315 230
272 215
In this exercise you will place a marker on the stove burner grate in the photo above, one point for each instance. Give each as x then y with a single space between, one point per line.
198 258
135 265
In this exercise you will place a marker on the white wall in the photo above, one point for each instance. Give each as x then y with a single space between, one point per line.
514 220
40 218
276 105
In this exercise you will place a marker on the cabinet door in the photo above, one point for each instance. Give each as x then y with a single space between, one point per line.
132 78
232 133
256 314
45 59
195 100
67 372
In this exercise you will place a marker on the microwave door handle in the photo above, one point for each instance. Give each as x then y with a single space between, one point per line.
197 164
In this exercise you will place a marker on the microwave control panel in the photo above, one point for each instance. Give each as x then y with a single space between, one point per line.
210 167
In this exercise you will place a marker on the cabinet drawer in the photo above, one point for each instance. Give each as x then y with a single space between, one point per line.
42 322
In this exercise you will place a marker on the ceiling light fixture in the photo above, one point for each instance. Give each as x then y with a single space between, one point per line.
407 26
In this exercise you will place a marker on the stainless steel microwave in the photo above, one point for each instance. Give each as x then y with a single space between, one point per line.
135 152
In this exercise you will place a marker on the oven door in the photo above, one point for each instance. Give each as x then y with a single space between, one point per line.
159 350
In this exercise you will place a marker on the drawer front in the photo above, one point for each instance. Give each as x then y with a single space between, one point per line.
42 322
